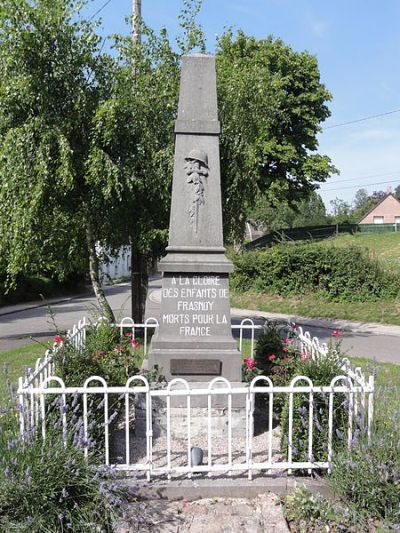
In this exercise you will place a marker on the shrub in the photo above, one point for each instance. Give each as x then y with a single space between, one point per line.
276 352
276 357
340 274
302 505
49 486
369 473
314 513
320 371
105 354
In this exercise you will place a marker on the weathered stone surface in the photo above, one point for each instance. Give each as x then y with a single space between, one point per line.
259 515
195 320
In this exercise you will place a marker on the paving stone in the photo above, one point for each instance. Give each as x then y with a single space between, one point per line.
262 514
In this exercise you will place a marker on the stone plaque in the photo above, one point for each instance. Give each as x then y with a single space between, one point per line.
196 367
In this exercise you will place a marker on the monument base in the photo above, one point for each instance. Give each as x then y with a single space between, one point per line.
198 414
197 364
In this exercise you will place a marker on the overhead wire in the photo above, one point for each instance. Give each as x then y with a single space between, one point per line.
363 119
100 10
361 186
367 177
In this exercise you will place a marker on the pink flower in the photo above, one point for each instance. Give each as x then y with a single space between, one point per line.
285 358
57 338
118 349
249 363
135 343
336 333
293 325
128 334
285 340
284 349
303 356
272 357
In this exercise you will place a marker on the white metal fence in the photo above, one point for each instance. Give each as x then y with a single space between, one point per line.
41 389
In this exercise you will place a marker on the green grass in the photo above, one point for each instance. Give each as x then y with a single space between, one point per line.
387 375
313 306
17 360
384 246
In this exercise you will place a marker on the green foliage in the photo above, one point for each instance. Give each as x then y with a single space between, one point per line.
34 287
302 505
320 371
46 105
271 104
277 358
276 355
340 274
105 354
341 211
309 211
86 136
309 512
369 474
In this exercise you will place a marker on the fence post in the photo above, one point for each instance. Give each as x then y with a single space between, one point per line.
21 409
371 386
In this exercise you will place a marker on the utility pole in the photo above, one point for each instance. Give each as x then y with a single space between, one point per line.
136 21
139 275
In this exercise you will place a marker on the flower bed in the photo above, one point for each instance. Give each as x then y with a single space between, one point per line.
305 388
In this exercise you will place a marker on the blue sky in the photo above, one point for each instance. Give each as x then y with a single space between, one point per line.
357 43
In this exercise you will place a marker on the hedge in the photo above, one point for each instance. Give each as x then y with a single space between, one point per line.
340 274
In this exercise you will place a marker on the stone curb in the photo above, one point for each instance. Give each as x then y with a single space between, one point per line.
192 489
344 325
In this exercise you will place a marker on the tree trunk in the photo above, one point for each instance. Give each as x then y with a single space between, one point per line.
140 280
106 310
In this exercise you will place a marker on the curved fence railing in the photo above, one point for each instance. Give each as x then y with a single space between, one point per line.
46 400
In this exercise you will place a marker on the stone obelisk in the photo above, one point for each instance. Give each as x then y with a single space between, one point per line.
194 339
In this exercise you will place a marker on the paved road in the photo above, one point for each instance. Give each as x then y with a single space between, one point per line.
380 342
17 327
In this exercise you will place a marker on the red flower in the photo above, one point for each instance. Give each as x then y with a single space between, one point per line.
128 334
135 343
57 338
336 333
293 325
249 363
303 356
285 340
284 349
272 357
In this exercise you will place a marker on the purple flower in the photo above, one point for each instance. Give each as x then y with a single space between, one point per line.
112 417
339 434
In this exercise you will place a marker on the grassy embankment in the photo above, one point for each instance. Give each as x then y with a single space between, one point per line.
384 246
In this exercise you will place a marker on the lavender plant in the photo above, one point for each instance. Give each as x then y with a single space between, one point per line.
321 372
47 485
369 473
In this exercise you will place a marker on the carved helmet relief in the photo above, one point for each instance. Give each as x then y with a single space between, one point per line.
196 168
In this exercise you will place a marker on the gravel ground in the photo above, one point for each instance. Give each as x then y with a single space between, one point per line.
179 449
